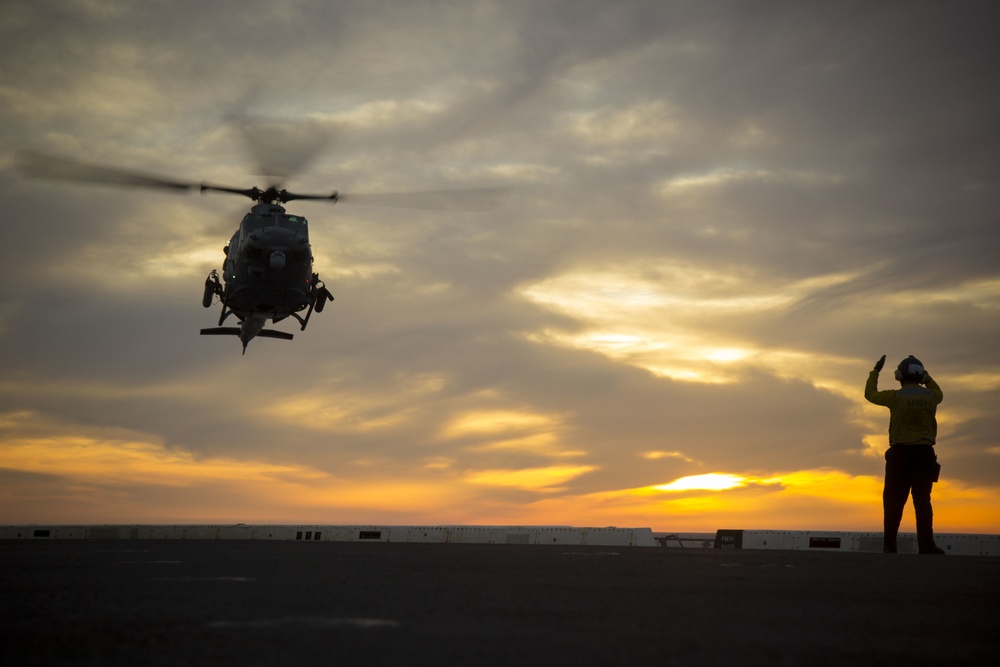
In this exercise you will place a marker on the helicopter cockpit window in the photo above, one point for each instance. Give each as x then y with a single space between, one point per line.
252 223
294 222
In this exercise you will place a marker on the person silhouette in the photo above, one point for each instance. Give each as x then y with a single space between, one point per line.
911 465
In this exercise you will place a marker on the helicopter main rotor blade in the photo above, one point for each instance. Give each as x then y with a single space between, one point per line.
252 193
286 196
55 167
281 147
475 199
45 165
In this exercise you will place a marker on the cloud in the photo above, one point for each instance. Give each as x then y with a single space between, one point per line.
719 218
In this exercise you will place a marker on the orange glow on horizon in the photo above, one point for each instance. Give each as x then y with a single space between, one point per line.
89 480
534 479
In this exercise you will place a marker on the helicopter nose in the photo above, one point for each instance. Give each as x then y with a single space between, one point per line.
277 260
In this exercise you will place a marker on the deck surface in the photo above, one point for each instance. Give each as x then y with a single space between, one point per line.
172 602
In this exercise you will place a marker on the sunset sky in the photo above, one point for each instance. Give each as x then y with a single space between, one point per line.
720 215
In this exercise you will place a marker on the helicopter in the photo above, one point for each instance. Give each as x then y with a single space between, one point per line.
267 272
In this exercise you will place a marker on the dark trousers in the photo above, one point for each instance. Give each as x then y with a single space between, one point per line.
909 469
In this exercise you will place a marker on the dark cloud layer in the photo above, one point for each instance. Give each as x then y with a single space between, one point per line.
720 215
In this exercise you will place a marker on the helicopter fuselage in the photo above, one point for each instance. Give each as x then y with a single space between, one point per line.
268 266
267 274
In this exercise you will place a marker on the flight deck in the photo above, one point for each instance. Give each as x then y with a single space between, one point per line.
159 601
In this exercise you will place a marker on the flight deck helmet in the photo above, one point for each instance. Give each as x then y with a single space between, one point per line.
910 370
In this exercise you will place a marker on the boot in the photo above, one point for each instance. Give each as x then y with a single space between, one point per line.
889 541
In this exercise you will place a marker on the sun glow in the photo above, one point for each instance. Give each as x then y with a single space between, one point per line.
709 482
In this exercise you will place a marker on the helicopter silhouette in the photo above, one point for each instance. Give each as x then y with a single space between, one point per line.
267 273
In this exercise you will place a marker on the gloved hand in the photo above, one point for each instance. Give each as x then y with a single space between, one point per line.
879 364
